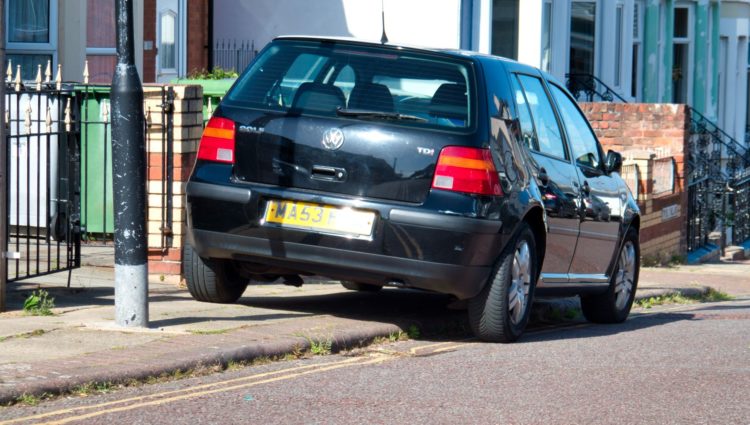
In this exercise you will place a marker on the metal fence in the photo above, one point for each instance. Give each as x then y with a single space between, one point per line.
631 173
97 208
718 171
43 184
234 55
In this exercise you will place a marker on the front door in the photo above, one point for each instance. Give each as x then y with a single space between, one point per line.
170 40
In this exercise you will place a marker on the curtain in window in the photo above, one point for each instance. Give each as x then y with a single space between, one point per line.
28 21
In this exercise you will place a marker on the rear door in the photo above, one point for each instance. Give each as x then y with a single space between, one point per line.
602 203
344 118
554 171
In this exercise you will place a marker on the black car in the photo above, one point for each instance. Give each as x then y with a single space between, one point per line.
381 165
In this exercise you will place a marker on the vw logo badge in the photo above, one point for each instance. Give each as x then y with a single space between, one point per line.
333 139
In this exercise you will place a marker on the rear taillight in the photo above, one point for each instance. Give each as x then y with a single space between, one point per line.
217 143
469 170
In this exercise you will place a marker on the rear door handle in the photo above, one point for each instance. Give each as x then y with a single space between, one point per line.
326 173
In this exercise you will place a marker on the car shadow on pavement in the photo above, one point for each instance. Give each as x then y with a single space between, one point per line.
635 322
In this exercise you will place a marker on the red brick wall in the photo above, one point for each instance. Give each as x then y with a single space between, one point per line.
188 126
197 36
149 34
639 132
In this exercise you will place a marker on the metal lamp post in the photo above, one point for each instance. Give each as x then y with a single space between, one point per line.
129 179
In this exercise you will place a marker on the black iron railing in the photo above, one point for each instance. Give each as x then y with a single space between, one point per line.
718 174
43 184
588 88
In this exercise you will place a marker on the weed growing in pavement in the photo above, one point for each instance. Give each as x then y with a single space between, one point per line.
712 295
28 399
93 388
413 332
559 315
320 348
398 336
39 303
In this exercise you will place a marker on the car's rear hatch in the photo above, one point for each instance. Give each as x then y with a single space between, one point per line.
347 118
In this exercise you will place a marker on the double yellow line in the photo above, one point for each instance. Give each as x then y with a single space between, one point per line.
83 413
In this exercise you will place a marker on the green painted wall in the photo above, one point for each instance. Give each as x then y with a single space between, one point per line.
667 53
701 56
713 107
651 53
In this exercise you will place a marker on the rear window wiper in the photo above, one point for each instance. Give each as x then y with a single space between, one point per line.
367 113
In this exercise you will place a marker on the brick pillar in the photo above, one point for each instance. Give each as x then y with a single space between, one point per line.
642 132
187 130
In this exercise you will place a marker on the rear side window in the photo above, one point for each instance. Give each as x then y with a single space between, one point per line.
359 82
548 133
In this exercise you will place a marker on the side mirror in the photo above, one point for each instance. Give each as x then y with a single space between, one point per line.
614 162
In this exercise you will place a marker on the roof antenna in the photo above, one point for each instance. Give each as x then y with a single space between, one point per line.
383 37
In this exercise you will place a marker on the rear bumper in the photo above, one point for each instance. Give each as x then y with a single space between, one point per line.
461 281
421 249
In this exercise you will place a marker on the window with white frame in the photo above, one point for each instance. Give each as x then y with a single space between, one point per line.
619 25
582 37
31 34
636 78
546 34
681 55
101 53
167 40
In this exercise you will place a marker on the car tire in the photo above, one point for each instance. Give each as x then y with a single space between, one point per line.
362 287
211 280
501 310
614 305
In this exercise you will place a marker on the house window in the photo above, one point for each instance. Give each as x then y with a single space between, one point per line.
167 37
681 52
635 74
619 16
582 36
31 34
100 40
546 35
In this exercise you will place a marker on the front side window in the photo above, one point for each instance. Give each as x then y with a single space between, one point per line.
582 141
549 138
359 82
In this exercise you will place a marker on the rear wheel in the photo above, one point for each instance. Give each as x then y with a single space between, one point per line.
614 305
501 311
363 287
211 280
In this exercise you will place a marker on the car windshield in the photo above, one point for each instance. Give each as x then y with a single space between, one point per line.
352 81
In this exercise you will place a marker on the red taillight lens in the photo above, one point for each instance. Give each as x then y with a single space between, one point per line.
217 143
469 170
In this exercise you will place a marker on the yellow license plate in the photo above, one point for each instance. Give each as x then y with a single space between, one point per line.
323 218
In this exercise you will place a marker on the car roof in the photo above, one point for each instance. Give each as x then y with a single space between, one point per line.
352 40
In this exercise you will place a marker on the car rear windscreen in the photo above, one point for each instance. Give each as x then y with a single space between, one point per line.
352 81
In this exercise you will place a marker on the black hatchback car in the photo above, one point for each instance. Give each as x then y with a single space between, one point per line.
380 165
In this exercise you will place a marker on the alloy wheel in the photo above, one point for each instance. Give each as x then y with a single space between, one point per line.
625 275
520 283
